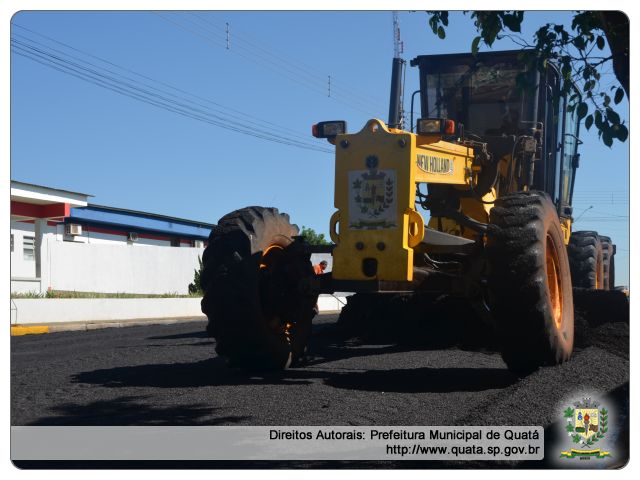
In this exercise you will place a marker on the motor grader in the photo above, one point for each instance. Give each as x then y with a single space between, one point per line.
472 201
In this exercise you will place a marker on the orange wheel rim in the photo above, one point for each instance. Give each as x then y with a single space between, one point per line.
270 257
599 269
554 282
269 254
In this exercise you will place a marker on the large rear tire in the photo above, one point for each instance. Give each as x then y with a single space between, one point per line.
608 262
586 259
252 270
529 284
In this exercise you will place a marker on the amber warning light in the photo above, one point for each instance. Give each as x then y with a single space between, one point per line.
329 129
434 126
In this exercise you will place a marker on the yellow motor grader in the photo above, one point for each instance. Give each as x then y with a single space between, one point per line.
473 201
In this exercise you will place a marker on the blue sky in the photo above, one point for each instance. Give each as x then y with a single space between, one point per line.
71 134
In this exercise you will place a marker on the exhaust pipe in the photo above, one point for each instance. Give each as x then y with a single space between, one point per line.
395 100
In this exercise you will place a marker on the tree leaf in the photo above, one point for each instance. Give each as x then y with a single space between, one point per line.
600 42
618 96
582 111
474 45
512 22
598 119
441 33
588 122
612 116
622 133
607 138
433 23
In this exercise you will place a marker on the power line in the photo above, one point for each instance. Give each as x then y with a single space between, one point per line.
70 71
255 59
277 69
610 214
298 64
602 195
224 109
180 109
133 89
603 219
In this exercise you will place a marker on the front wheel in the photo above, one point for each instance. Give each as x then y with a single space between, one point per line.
252 270
530 282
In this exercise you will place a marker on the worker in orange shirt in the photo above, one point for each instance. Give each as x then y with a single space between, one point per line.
320 268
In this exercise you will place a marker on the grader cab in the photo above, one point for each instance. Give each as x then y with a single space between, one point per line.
473 200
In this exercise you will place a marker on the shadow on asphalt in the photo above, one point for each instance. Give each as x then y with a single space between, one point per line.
128 410
327 347
204 373
178 336
434 380
207 343
214 372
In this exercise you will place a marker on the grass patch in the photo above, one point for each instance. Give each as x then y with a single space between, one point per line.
27 295
74 294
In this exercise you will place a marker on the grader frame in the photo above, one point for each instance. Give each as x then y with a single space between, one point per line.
499 164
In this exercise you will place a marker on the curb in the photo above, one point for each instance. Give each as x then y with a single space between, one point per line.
18 330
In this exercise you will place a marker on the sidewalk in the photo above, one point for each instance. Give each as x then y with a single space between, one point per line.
18 330
29 326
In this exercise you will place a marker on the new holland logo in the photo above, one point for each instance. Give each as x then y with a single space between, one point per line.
587 424
433 164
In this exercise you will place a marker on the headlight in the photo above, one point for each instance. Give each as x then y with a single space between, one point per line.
435 126
329 129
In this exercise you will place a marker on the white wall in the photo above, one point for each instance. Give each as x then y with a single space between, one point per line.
120 268
331 303
107 263
53 310
108 238
20 267
99 262
26 286
49 310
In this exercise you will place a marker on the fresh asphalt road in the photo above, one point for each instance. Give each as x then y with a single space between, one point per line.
169 375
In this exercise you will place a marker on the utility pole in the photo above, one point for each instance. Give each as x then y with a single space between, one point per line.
396 113
228 37
398 44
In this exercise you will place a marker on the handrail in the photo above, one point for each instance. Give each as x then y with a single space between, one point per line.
16 309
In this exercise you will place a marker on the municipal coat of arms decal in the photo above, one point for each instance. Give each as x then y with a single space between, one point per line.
372 197
587 424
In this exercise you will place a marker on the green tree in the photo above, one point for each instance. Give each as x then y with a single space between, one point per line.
195 288
580 51
312 237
